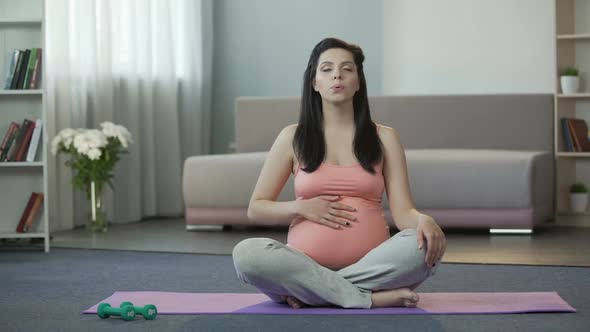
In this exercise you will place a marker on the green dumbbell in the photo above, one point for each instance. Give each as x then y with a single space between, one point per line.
148 311
126 312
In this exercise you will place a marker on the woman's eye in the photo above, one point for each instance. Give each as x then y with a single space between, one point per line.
326 69
348 69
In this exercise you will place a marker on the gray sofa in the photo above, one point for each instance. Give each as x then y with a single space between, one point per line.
474 161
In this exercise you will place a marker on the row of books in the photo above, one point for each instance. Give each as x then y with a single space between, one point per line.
24 69
575 134
20 141
30 213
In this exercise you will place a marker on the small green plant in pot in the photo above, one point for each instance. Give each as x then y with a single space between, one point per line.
570 71
578 197
570 80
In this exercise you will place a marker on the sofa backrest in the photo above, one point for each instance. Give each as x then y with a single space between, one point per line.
500 121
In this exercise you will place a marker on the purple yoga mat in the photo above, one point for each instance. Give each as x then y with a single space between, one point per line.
169 303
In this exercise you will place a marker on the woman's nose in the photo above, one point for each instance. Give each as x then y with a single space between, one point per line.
336 75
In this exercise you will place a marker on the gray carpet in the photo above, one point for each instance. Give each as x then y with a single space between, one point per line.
48 291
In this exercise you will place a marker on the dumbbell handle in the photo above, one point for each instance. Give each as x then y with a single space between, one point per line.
148 311
126 312
117 312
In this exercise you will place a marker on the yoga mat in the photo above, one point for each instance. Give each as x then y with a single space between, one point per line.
256 303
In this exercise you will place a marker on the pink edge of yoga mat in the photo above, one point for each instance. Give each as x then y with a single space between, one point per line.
171 303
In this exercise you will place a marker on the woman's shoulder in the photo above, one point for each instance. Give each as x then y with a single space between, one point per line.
285 139
384 130
288 132
387 134
291 128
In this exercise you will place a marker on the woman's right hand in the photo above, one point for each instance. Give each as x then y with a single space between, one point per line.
326 211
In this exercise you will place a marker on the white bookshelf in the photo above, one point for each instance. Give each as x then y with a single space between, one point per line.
574 96
20 92
572 40
22 27
22 164
32 20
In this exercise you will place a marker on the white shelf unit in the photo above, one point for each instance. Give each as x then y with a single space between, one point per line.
572 40
32 20
21 92
19 179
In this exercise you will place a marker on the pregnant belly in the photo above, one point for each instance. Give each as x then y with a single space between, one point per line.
338 248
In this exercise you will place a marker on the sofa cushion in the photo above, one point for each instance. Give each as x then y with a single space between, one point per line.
479 178
439 178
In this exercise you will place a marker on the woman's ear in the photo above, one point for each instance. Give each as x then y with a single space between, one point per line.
313 84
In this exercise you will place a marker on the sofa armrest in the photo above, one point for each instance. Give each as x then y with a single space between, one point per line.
224 180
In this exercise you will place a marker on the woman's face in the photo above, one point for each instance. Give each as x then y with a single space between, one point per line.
336 77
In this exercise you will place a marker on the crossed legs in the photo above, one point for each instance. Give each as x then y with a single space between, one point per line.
386 276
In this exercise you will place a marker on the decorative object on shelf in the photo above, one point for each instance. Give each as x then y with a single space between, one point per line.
578 197
570 81
576 135
94 154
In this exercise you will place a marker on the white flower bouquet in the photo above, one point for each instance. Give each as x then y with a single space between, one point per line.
94 154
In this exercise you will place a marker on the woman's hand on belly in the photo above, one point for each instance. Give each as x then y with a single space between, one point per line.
365 217
325 210
341 247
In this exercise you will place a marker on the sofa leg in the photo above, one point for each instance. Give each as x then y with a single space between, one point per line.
511 231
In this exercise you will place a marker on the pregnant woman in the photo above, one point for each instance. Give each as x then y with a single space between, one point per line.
338 252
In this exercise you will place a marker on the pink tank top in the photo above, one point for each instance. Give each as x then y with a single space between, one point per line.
338 248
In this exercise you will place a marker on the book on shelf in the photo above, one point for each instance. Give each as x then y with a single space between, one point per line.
30 213
37 72
21 141
22 148
32 217
575 134
18 82
566 135
30 68
32 151
24 69
11 68
17 69
7 137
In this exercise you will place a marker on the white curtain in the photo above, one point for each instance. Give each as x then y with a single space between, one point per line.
143 64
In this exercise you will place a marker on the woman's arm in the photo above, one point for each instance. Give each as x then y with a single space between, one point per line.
405 215
395 173
263 207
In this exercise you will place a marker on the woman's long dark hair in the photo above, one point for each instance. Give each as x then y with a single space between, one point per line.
309 142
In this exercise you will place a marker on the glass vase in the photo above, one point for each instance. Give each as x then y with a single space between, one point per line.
97 220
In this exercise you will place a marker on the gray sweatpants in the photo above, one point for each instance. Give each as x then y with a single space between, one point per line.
275 270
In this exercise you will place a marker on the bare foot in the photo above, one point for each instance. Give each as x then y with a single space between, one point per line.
401 297
293 302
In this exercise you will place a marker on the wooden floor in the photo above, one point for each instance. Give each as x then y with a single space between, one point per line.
551 245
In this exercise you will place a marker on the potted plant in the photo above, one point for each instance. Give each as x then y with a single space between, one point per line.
570 81
93 155
578 197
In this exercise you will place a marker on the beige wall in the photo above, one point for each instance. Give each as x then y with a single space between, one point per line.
468 46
